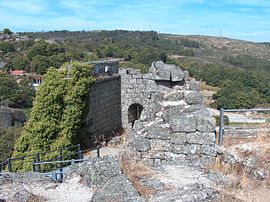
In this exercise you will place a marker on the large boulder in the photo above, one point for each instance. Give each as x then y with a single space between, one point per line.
96 171
117 189
166 72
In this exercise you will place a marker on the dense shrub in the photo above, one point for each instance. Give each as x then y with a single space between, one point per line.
55 119
8 137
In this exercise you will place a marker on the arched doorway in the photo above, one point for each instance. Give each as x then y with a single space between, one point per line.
134 113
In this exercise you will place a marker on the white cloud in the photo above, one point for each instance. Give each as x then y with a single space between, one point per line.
26 6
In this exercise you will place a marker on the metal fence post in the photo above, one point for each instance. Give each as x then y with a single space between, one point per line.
33 166
61 164
38 160
80 154
221 125
98 151
9 165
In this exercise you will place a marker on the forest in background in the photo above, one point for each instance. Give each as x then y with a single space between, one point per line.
240 69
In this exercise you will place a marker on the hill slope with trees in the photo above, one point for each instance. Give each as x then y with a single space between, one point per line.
239 68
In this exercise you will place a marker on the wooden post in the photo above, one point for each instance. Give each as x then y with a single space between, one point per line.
221 125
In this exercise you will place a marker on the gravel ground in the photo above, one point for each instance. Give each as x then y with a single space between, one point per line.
71 190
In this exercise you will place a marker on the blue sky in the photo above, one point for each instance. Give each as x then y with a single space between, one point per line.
241 19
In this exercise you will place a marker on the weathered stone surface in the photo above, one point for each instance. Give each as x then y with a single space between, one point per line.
160 145
29 177
178 138
158 132
175 123
172 112
201 138
96 171
204 121
183 149
206 150
186 75
192 85
166 72
193 98
140 144
183 123
176 74
117 189
154 155
174 96
205 124
195 192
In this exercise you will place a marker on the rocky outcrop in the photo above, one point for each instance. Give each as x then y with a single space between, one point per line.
98 179
105 176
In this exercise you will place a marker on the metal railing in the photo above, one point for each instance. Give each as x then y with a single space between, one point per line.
60 155
221 124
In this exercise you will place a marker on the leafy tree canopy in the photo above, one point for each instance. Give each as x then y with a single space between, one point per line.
57 111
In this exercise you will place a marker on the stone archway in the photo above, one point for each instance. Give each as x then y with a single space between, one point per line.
134 113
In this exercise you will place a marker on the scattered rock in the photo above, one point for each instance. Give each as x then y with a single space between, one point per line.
117 189
96 171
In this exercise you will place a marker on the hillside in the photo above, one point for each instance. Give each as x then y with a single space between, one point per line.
216 48
240 69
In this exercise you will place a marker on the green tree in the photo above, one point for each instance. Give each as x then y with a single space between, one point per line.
17 62
8 138
6 47
19 95
57 112
6 31
40 64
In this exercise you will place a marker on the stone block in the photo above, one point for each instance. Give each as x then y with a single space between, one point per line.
154 155
206 150
201 138
174 96
205 124
178 138
140 144
182 149
183 123
160 145
177 74
192 85
164 75
193 98
158 132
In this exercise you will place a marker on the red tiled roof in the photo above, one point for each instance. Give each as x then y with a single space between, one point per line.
17 72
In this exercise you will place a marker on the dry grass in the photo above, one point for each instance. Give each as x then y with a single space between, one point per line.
204 87
243 187
135 171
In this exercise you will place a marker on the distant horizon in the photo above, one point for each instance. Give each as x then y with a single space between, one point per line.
99 30
247 20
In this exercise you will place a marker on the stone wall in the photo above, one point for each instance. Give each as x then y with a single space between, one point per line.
174 125
104 107
10 117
